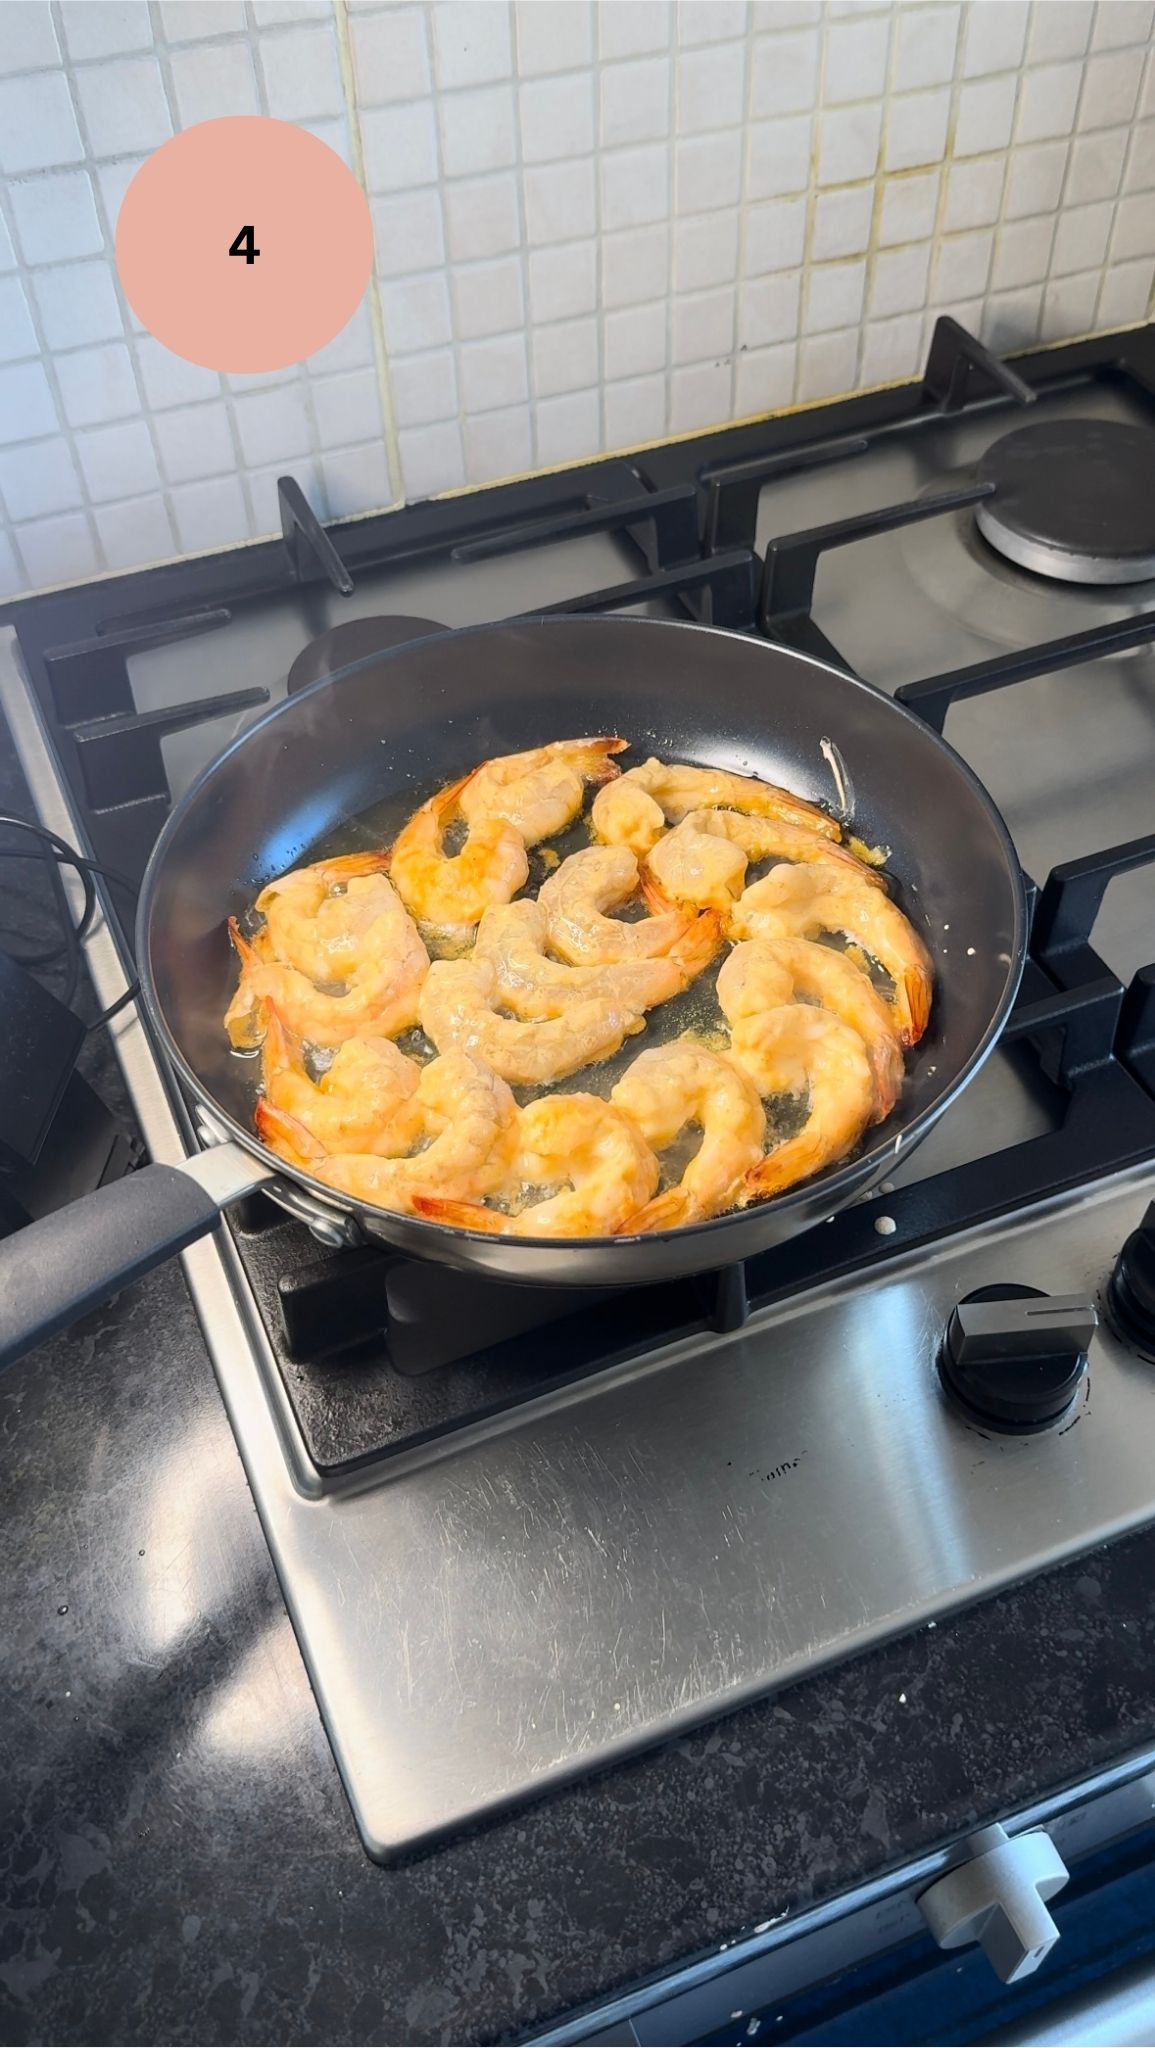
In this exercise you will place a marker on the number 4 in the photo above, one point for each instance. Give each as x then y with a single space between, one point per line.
243 246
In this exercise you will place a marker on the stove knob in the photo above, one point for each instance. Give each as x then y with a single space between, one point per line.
997 1899
1131 1290
1014 1357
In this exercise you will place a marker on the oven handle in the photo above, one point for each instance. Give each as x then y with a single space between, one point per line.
54 1270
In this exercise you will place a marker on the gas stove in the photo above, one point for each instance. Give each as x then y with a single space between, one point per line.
520 1535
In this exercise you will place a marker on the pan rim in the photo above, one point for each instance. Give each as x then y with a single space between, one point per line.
852 1172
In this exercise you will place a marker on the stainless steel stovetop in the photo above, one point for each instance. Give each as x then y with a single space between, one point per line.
602 1565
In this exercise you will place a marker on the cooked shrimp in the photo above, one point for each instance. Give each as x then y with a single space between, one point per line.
381 991
762 974
799 902
459 1007
449 892
466 1112
512 939
704 859
606 1168
801 1050
540 791
672 1086
362 1103
587 885
635 810
316 930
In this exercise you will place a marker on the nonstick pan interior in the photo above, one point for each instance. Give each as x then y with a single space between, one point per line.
386 733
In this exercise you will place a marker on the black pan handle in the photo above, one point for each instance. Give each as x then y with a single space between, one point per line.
53 1270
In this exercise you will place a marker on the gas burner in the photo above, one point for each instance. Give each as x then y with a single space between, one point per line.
354 640
1073 500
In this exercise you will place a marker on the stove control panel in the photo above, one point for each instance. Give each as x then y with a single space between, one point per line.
1015 1358
1131 1290
998 1898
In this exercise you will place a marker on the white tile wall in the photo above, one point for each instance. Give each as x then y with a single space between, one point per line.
597 222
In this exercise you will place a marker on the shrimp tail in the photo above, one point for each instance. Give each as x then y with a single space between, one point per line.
287 1136
665 1212
791 1161
886 1070
695 950
658 899
245 1016
463 1215
701 933
281 1052
915 993
347 866
592 758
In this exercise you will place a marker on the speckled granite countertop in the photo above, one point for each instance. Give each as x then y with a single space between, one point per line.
179 1864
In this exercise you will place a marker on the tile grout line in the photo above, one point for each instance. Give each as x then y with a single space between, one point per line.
347 67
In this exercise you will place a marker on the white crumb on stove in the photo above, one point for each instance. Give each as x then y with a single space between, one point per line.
885 1226
902 1699
932 1624
970 952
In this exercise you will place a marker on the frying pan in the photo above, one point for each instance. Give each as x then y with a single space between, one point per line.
396 726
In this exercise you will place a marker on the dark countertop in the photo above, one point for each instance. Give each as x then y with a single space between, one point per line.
179 1863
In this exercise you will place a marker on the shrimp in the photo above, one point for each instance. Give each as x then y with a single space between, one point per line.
761 974
512 939
671 1086
314 929
363 1103
449 892
381 991
606 1168
467 1114
540 791
585 887
459 1007
634 810
798 1049
704 859
799 902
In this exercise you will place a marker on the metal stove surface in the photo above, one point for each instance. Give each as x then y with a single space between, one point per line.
566 1582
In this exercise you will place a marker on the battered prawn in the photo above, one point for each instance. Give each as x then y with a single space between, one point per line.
541 791
762 974
598 879
606 1168
459 1007
512 940
798 1049
704 859
800 902
315 929
381 990
468 1116
364 1102
635 810
449 892
671 1086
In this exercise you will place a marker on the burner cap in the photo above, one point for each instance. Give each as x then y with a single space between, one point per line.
353 640
1074 499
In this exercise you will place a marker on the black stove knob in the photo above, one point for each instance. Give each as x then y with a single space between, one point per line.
1014 1357
1131 1290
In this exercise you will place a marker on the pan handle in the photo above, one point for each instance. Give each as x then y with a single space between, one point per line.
55 1269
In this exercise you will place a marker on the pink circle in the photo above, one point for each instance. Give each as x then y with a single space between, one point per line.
190 203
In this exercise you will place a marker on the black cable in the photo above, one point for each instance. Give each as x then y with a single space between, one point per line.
56 853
